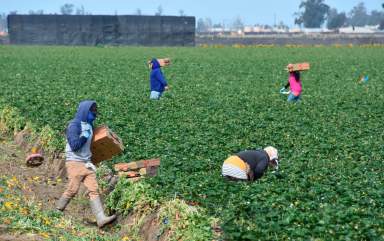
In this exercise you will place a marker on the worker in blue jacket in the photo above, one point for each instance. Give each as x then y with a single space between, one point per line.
78 161
157 81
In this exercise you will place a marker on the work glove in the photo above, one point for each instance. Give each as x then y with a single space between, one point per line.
90 166
85 130
86 134
284 91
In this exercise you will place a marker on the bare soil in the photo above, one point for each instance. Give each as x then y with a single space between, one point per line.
45 184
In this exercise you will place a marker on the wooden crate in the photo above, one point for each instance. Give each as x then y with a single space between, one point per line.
105 145
132 166
298 67
163 62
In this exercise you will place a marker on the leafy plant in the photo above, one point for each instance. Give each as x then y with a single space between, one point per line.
223 100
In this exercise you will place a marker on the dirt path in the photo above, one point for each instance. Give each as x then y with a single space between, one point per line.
41 186
44 186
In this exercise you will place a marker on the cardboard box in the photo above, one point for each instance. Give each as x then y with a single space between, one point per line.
132 166
163 62
149 171
129 174
298 67
105 145
134 179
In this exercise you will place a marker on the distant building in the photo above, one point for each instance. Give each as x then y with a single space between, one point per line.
266 30
95 30
257 29
316 30
362 30
294 30
280 30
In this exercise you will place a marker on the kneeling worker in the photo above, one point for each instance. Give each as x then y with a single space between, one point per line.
250 165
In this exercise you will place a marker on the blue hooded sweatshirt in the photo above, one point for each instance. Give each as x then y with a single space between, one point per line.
157 80
78 147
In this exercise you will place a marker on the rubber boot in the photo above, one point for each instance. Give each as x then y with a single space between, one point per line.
97 209
62 203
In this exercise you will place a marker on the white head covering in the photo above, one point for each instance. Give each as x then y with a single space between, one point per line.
272 152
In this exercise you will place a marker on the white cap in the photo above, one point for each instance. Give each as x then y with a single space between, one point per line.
272 152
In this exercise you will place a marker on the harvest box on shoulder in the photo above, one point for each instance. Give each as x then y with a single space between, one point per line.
105 145
297 67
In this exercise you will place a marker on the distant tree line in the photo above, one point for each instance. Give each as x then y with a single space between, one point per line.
69 9
314 13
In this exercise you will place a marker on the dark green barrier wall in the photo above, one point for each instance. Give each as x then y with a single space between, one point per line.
100 30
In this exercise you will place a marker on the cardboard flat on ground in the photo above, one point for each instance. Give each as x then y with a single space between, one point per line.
149 171
132 166
129 174
298 67
134 179
142 172
105 145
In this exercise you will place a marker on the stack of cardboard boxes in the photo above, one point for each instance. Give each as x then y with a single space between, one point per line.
106 145
136 170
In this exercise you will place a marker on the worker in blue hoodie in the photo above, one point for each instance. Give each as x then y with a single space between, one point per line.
158 82
78 163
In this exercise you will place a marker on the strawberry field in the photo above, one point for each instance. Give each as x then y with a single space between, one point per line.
221 101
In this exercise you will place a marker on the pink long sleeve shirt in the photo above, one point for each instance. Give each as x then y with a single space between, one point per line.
296 87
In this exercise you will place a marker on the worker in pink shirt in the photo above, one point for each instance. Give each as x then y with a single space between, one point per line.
296 88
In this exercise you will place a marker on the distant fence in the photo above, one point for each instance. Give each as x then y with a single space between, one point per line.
101 30
294 39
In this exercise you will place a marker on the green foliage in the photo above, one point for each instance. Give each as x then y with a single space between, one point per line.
132 197
24 215
49 139
359 15
335 20
314 13
223 100
184 222
103 175
11 121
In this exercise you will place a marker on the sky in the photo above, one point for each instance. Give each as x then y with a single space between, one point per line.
220 11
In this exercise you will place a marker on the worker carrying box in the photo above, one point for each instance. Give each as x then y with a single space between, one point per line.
83 141
157 81
294 81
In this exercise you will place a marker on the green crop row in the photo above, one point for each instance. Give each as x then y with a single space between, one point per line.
223 100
